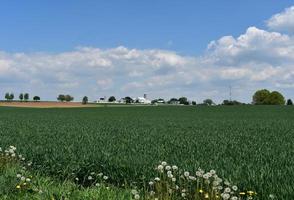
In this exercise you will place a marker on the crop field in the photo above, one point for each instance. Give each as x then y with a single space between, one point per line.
252 146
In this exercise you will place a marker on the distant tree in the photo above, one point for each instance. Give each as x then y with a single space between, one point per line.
85 100
183 100
289 102
172 101
7 96
11 96
111 99
36 98
260 96
26 96
68 98
61 97
275 98
21 96
194 103
208 102
129 100
231 103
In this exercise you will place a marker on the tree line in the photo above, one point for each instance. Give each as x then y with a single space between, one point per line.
22 97
260 97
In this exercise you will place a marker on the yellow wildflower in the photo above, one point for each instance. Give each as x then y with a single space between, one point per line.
18 186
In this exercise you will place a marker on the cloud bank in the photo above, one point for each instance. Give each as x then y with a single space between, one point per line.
256 59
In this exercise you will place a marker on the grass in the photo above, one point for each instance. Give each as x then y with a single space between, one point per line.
250 145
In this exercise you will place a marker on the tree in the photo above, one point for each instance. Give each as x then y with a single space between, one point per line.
85 100
68 98
129 100
183 100
289 102
194 103
208 102
21 96
173 101
260 96
26 96
111 99
7 96
36 98
11 96
231 103
275 98
61 97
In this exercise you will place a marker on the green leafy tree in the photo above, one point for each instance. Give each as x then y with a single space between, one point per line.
26 96
68 98
260 96
61 97
194 103
7 96
11 96
112 99
183 100
173 101
85 100
289 102
36 98
275 98
129 100
208 102
21 96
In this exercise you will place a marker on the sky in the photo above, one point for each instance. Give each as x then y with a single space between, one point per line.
163 48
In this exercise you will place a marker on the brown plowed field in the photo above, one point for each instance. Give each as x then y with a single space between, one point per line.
46 104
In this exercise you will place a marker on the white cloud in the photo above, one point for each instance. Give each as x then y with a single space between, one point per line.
256 59
283 21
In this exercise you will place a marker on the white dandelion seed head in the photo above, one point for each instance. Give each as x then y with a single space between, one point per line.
174 167
186 174
157 179
163 163
167 167
174 179
137 196
235 188
227 190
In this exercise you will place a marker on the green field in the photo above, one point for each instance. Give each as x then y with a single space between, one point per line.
253 146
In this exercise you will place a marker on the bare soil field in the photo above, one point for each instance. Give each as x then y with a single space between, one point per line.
46 104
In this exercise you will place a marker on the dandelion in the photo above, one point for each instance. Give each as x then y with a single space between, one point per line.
105 177
183 194
160 167
18 186
234 198
90 178
97 184
174 167
134 192
174 179
235 188
186 174
227 190
18 175
152 193
100 174
212 172
137 196
206 196
163 163
271 196
157 179
23 178
77 179
201 191
151 183
225 196
92 173
205 176
28 180
168 167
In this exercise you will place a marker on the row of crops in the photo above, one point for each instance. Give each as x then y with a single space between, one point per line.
252 146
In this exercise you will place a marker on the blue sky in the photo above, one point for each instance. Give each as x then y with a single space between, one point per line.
163 48
183 26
